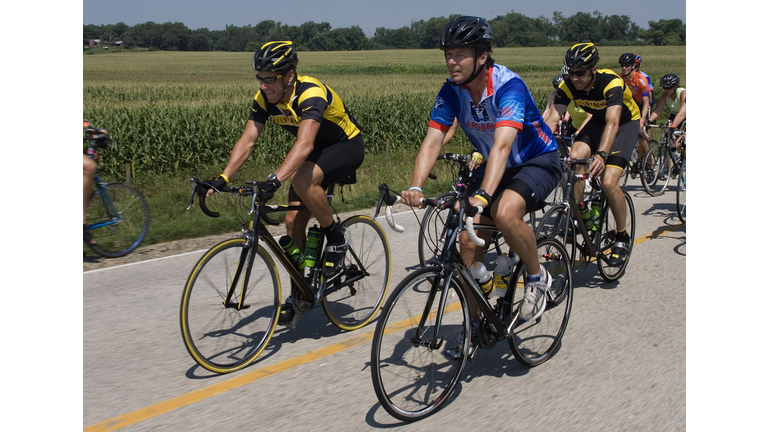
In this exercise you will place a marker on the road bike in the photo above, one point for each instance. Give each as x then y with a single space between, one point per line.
117 214
680 196
231 301
432 231
411 374
663 159
563 222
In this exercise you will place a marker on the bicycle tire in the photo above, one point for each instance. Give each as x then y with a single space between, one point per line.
411 379
607 237
224 339
118 234
432 227
553 225
658 157
352 307
680 195
535 342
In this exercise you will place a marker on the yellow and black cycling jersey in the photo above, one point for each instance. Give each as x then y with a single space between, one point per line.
311 99
609 90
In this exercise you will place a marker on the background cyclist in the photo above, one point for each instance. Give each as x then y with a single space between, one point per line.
329 146
673 97
638 86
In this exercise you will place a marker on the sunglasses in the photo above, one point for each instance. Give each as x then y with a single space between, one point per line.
572 72
268 80
627 65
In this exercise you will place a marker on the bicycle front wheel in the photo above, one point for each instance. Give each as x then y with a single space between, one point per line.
224 337
608 230
431 235
681 187
558 224
656 169
118 219
353 299
535 341
411 375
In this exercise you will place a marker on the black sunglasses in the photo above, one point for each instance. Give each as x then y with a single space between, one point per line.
572 72
268 80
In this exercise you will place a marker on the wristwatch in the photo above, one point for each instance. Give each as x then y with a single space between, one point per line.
272 178
484 195
603 155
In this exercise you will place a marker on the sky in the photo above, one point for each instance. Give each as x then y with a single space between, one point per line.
368 14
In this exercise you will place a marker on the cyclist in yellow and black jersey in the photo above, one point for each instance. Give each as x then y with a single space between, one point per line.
607 90
310 99
329 147
610 134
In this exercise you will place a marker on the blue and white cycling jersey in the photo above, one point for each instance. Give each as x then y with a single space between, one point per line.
506 102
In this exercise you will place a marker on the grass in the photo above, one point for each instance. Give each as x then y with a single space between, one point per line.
176 115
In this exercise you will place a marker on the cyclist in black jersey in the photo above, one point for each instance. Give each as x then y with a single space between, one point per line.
610 134
329 147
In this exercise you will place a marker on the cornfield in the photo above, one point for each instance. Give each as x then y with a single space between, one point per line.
178 111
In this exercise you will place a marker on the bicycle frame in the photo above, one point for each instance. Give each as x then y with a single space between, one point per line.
569 200
259 232
449 266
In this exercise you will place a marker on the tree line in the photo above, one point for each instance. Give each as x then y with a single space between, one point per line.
510 30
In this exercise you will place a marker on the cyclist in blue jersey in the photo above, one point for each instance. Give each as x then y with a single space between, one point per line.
495 110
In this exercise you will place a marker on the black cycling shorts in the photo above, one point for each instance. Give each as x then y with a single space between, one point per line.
623 144
534 180
337 161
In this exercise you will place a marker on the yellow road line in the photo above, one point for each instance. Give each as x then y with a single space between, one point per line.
159 408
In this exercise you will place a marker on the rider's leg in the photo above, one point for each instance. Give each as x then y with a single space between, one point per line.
580 150
615 196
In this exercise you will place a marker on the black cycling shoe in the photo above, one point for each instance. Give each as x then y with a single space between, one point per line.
287 316
619 251
334 257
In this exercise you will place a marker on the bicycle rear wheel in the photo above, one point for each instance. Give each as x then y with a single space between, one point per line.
224 338
117 221
411 375
660 159
351 305
608 238
681 187
535 341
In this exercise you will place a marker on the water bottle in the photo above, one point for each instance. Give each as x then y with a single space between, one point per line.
501 275
293 252
597 207
480 273
313 242
586 215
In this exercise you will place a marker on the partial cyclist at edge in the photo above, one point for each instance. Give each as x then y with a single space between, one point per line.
610 134
495 110
672 97
329 147
89 172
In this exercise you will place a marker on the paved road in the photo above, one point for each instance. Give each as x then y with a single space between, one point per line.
621 367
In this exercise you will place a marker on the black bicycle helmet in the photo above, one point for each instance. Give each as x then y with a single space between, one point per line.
466 31
582 55
276 56
627 59
669 80
564 71
556 81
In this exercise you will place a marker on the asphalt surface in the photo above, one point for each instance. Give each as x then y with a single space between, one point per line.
621 366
